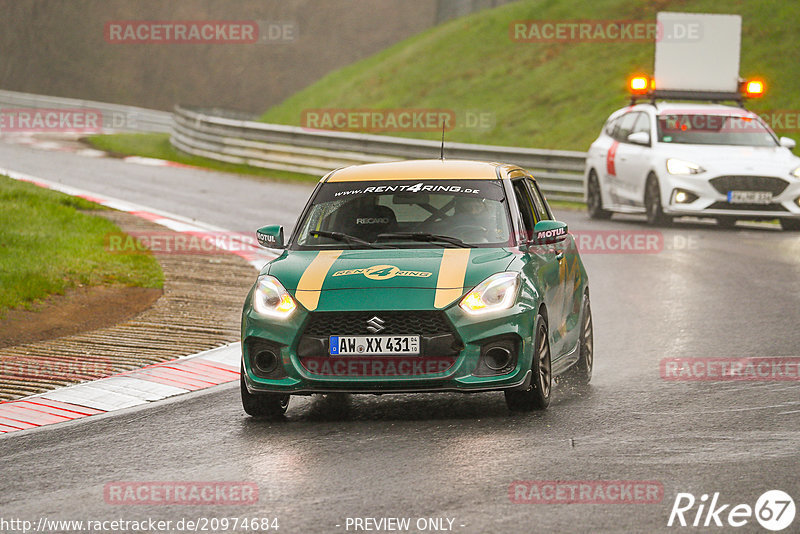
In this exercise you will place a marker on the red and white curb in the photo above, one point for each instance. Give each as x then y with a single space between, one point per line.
125 390
148 384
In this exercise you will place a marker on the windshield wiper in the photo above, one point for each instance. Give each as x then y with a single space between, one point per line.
346 238
426 237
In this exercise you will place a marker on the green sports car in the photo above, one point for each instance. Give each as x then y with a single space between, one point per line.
418 276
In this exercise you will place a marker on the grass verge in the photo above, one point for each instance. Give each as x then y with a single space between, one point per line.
48 243
553 95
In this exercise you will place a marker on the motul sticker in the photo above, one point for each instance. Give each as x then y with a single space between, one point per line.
551 233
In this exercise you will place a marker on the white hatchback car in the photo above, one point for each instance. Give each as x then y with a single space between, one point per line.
704 160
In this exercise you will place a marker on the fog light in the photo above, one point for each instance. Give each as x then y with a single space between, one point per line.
497 358
681 196
265 362
265 359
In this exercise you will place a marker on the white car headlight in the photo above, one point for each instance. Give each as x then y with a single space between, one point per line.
679 166
498 292
796 172
271 299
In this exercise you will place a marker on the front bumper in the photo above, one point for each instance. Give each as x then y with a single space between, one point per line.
458 366
712 201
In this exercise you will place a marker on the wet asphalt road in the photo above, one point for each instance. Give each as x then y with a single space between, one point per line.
709 293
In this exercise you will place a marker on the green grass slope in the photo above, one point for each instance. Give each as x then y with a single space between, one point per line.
50 242
542 95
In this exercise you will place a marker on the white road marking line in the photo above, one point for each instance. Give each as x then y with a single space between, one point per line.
696 412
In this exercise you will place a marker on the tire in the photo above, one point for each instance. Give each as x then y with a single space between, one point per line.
790 225
537 396
262 404
726 222
652 203
594 199
580 374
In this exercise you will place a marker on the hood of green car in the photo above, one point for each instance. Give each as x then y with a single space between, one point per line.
410 279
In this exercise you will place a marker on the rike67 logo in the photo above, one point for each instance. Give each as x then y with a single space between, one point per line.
774 510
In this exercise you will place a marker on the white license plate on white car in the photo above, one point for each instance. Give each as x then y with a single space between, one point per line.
373 345
749 197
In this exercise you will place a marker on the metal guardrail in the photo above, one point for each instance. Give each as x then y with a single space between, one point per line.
235 138
296 149
115 116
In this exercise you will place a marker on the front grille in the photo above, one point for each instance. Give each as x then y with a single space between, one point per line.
424 323
745 207
723 184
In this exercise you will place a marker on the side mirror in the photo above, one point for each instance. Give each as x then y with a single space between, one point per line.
270 236
547 232
639 138
788 142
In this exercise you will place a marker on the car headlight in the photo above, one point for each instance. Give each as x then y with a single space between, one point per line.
679 166
271 299
796 172
498 292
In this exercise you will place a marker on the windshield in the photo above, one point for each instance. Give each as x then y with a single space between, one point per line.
700 129
405 214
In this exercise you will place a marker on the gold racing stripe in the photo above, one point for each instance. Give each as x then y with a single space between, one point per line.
452 273
310 285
